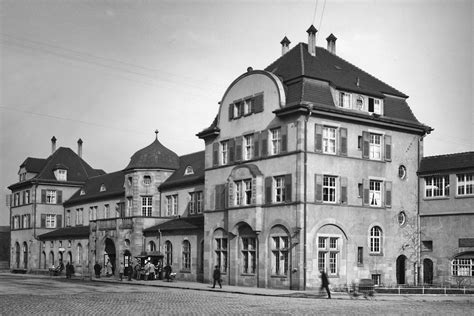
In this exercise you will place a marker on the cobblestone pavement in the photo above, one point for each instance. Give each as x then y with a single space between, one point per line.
22 295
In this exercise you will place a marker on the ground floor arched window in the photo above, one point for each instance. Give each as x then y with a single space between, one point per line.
220 250
25 255
43 260
463 265
168 252
186 256
279 247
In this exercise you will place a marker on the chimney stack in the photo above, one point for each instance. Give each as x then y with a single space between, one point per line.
79 147
331 43
285 45
312 40
53 145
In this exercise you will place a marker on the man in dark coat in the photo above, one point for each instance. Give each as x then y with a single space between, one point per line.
217 277
325 283
97 269
167 270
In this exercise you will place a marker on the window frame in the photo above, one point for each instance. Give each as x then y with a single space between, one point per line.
279 189
147 205
329 248
376 149
51 221
275 140
186 256
172 205
432 191
329 138
249 255
280 255
463 265
248 147
221 251
375 240
328 188
465 184
343 97
224 152
374 194
51 196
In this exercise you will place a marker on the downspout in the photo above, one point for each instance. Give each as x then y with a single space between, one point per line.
418 220
305 184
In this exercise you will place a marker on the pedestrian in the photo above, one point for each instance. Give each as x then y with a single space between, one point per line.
108 269
97 268
61 267
71 270
167 270
217 277
325 283
129 271
121 269
67 270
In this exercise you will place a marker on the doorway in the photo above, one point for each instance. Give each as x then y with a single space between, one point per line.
110 254
427 271
401 268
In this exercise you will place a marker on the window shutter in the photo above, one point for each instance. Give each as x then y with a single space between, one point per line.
371 105
230 189
388 147
343 141
288 185
220 196
231 150
59 197
256 139
264 142
284 138
231 111
43 196
238 149
388 193
318 185
59 221
215 154
258 103
24 197
343 190
268 190
254 191
43 220
318 138
365 188
365 145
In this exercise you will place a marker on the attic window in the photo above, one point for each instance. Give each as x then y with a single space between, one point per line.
60 174
189 170
83 192
102 188
146 180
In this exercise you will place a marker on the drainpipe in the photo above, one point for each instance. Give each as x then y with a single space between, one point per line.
305 184
418 220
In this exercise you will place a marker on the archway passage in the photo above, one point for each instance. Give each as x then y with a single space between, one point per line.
17 255
401 267
427 271
25 255
110 254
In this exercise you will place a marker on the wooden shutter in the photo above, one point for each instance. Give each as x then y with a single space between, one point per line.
220 196
256 142
264 143
288 185
284 138
238 149
343 141
388 147
388 193
268 190
59 197
43 196
343 190
365 144
230 190
231 111
43 220
59 221
254 191
258 103
215 154
318 138
365 188
231 150
318 185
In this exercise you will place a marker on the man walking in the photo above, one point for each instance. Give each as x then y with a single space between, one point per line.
217 277
325 283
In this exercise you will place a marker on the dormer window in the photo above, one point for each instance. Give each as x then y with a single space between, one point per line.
189 170
103 188
60 174
83 192
345 100
375 106
146 180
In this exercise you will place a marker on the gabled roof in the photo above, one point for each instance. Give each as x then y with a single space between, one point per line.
154 156
113 183
179 178
447 163
181 223
67 232
33 165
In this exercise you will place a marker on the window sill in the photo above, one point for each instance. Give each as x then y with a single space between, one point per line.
276 276
185 271
373 254
436 198
248 274
467 196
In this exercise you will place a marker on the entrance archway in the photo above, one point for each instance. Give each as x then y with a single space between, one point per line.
401 268
427 271
25 255
17 255
110 253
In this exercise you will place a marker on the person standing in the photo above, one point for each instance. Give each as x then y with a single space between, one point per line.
325 283
97 269
121 269
217 277
68 270
108 269
167 270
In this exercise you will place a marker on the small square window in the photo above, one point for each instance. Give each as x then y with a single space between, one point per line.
427 245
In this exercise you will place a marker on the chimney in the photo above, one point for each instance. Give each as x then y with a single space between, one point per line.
79 147
53 145
285 45
331 43
312 40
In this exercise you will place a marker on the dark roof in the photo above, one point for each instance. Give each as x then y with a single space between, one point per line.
178 178
113 183
212 129
180 223
67 232
446 163
33 165
154 156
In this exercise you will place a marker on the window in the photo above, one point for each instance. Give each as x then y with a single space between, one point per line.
186 260
172 205
26 221
377 278
375 193
92 213
248 106
83 192
16 222
69 243
426 245
279 189
50 221
275 140
375 106
221 253
151 246
360 255
102 188
168 253
243 192
50 196
402 172
463 267
465 184
280 255
225 152
147 180
189 170
130 181
147 205
195 203
27 196
17 199
402 218
329 140
345 100
238 109
248 147
375 147
249 255
328 254
60 174
129 206
106 211
79 216
329 189
68 218
375 240
437 186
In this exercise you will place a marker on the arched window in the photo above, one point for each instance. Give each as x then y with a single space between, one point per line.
69 257
17 255
220 249
248 248
279 248
189 170
151 246
168 252
43 260
186 260
103 188
375 240
25 255
79 254
463 265
51 259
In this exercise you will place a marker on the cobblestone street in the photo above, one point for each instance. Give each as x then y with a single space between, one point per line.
20 295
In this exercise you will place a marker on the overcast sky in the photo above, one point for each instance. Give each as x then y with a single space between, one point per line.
111 72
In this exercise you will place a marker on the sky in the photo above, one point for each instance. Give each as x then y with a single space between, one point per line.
112 72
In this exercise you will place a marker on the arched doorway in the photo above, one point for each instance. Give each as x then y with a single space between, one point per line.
110 253
427 271
25 255
69 257
17 255
401 268
127 261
